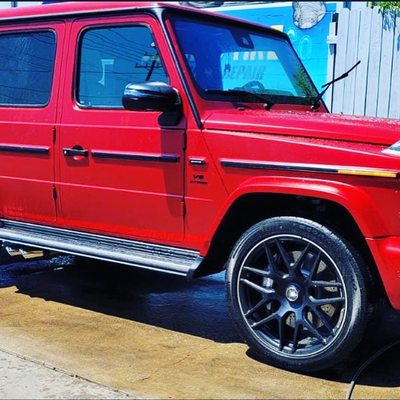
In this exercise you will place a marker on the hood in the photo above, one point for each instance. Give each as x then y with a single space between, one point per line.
382 131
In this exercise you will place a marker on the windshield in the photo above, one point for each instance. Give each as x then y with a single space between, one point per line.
226 59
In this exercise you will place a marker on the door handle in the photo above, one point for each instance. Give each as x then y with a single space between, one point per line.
75 151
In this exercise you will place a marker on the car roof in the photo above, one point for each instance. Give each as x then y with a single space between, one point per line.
66 9
71 8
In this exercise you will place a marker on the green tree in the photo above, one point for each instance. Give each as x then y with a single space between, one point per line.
387 5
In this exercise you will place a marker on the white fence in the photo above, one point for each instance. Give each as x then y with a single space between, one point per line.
373 88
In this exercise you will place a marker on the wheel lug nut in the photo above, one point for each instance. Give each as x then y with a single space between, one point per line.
292 293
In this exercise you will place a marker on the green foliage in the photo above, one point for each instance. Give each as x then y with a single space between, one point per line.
387 5
304 83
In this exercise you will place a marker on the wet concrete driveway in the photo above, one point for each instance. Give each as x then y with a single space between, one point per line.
157 336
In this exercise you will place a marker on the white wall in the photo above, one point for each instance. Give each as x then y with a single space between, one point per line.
7 4
28 3
373 87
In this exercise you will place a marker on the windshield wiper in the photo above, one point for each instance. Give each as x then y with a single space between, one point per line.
243 94
316 103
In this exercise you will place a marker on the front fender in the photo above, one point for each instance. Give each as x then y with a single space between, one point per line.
364 208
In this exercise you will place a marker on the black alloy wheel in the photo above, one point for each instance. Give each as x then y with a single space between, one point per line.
297 293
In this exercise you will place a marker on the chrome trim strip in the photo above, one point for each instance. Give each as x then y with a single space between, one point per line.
314 168
278 166
166 158
24 149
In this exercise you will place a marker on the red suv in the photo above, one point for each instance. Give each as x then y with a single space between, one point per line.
180 141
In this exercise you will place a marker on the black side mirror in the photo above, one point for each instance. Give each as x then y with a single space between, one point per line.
152 96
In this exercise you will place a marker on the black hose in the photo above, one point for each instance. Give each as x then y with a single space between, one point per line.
367 364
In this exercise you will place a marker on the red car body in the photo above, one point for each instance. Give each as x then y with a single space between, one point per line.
196 185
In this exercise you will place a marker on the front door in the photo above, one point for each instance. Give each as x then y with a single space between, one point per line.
120 172
30 63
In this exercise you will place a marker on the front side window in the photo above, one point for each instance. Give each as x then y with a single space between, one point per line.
26 68
111 58
226 60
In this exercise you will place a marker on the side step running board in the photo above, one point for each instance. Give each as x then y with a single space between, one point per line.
167 259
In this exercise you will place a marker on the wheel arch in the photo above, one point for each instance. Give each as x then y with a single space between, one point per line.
345 209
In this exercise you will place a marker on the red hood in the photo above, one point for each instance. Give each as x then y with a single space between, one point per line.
307 124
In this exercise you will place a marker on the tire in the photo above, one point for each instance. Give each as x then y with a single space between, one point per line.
297 294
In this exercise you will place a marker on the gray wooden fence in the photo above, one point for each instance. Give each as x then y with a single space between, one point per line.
373 88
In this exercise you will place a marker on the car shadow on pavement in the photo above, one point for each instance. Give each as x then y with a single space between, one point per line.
196 308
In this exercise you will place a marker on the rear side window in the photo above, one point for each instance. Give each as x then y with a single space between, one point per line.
111 58
26 68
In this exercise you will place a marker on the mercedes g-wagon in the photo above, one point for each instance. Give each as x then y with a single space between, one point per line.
176 140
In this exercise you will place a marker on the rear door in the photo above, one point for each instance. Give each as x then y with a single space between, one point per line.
120 172
29 79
